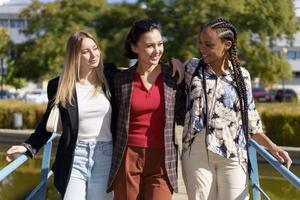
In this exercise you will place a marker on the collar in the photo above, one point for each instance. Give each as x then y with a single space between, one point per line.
226 72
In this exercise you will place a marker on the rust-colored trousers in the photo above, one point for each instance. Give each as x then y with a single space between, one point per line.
142 176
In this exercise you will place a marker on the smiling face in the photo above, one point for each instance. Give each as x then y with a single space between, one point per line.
89 54
212 48
149 48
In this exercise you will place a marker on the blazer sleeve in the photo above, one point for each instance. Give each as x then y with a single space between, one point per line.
180 104
110 70
40 136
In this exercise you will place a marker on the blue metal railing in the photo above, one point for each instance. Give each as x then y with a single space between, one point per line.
39 192
256 189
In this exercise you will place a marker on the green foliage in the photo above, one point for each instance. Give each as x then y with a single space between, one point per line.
5 42
5 48
112 28
11 78
49 26
281 122
259 23
31 113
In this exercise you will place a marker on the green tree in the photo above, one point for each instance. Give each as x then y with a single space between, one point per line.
112 28
5 49
49 26
5 42
259 23
11 78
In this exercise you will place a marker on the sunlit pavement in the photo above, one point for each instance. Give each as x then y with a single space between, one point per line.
181 195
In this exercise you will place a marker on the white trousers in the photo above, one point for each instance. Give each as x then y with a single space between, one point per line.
215 179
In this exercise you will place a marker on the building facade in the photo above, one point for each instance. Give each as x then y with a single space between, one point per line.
10 18
292 54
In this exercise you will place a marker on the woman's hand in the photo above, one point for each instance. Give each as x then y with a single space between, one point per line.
277 152
18 149
177 67
282 156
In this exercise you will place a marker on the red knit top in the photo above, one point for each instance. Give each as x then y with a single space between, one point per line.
147 118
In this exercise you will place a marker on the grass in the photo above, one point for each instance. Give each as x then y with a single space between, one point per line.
278 107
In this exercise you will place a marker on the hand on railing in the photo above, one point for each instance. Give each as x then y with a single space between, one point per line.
277 152
17 149
282 156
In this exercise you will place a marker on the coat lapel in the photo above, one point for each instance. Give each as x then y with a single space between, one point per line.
169 93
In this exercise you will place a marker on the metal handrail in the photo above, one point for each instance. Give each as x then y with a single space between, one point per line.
12 166
255 147
291 177
40 189
39 192
254 185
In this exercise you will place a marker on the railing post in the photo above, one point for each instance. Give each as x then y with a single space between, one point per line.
276 164
41 192
254 172
45 167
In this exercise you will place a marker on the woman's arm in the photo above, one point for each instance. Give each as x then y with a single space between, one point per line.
178 67
279 153
255 125
40 136
180 93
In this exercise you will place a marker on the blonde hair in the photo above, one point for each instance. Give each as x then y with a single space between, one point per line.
70 74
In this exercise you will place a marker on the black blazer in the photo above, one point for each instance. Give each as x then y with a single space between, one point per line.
65 150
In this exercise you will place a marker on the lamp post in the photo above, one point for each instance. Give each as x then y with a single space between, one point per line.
283 52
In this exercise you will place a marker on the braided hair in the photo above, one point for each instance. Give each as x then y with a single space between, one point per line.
227 32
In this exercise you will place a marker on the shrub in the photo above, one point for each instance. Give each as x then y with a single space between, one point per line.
281 122
31 113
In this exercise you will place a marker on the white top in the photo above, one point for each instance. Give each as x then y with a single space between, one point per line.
94 114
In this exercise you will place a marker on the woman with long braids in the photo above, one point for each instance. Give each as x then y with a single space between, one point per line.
220 119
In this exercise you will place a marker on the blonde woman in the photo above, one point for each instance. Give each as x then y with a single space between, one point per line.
84 151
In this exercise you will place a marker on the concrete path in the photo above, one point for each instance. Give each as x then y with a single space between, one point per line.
181 195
